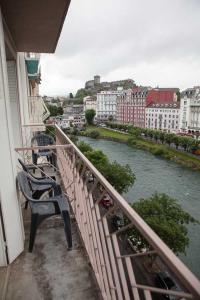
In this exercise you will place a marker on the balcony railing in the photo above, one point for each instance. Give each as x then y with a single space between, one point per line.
118 267
38 110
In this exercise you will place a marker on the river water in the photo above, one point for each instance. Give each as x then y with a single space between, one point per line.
157 174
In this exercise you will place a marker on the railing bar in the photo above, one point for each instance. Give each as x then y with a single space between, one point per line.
188 279
84 228
163 291
106 255
94 219
112 259
147 295
139 254
121 267
124 228
132 278
94 238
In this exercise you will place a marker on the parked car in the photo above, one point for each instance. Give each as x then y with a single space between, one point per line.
164 281
106 201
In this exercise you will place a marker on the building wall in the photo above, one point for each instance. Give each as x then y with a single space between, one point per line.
90 102
131 107
163 118
190 110
107 104
10 217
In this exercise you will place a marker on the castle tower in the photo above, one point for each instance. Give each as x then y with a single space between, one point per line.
96 79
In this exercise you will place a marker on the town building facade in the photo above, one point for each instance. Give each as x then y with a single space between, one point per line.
107 104
90 102
164 117
190 111
131 107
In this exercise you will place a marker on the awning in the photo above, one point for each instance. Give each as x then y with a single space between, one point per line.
32 66
35 25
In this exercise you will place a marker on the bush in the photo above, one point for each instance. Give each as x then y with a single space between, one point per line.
131 141
94 134
158 152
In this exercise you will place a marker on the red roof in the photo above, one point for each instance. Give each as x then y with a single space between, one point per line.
160 96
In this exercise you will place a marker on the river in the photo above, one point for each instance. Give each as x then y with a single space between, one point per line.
157 174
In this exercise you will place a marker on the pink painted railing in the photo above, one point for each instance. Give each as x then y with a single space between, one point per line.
118 272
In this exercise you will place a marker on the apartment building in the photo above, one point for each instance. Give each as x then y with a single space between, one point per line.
107 104
190 110
131 105
50 271
90 102
19 99
162 116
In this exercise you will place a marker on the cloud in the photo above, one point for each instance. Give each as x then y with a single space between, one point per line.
153 42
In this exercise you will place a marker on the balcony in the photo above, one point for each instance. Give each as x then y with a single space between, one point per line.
101 246
38 110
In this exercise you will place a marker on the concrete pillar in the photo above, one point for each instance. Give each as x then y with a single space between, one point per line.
10 217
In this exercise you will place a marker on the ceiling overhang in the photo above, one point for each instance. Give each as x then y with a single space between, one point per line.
35 25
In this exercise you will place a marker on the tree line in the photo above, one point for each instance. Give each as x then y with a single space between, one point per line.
189 144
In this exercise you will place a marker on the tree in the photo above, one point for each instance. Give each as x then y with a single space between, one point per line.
71 96
81 93
169 138
89 115
120 177
184 142
162 136
60 111
54 110
167 218
156 134
110 118
176 140
94 134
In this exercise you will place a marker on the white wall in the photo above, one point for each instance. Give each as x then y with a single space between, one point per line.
9 203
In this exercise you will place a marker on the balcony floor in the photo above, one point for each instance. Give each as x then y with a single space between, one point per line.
50 271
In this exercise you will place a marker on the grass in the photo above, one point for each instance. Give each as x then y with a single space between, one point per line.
151 146
104 132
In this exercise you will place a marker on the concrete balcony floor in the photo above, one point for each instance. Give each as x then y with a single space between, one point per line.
50 271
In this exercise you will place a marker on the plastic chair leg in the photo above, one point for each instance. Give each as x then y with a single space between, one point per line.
33 230
67 228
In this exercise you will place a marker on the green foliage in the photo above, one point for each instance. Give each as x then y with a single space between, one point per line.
73 138
89 115
158 152
167 218
169 138
71 96
97 158
120 177
132 141
110 118
136 132
81 93
54 110
94 134
84 147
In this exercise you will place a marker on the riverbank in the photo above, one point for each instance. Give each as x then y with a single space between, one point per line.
147 145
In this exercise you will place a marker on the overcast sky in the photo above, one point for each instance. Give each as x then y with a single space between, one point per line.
154 42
